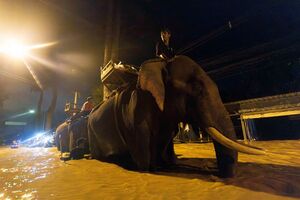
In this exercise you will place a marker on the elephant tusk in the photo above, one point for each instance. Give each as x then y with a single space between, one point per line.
243 148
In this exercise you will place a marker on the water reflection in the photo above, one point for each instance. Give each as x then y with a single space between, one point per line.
20 169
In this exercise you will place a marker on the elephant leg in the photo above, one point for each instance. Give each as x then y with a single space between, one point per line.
84 131
72 144
196 130
57 143
60 143
165 147
142 136
93 148
214 114
150 143
75 151
142 148
161 151
226 158
64 142
86 147
169 156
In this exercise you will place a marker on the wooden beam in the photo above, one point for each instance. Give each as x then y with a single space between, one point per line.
270 114
244 129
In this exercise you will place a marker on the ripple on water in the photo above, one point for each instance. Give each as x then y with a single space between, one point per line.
19 194
9 170
20 170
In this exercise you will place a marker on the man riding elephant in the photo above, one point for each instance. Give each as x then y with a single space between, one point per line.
137 125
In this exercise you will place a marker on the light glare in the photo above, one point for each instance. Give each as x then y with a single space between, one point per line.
38 135
31 111
14 49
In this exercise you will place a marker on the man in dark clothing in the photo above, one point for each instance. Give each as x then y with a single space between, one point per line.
163 49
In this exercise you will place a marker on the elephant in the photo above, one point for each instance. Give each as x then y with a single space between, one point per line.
137 124
61 137
72 137
78 138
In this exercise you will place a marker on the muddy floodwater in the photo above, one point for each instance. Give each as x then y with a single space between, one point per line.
38 173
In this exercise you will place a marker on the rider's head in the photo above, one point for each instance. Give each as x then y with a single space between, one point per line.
165 34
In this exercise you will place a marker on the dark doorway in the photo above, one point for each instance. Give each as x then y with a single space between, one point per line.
278 128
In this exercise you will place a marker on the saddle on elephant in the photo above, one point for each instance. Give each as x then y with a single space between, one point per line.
115 75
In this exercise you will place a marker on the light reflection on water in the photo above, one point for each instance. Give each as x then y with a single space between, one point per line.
20 168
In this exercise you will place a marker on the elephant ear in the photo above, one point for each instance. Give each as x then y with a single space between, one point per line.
150 79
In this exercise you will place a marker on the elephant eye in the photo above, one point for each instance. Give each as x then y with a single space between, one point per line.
197 88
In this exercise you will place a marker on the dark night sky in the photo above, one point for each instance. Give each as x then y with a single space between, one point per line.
258 56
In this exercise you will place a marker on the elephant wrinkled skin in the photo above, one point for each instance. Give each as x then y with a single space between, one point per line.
72 137
137 125
61 137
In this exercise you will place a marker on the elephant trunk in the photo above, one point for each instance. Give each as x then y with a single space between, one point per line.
243 148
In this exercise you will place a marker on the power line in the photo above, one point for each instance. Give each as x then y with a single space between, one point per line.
228 26
242 53
230 69
212 35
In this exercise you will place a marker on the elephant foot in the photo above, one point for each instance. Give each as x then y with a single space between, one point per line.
227 166
226 160
168 161
65 156
154 168
77 153
227 171
87 156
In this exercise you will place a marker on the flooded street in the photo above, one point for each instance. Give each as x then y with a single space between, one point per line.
21 170
38 173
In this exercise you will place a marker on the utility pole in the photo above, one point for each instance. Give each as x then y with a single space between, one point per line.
112 35
39 124
116 33
75 108
108 41
50 111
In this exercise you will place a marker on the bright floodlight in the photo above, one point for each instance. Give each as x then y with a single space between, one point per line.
38 135
14 49
31 111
